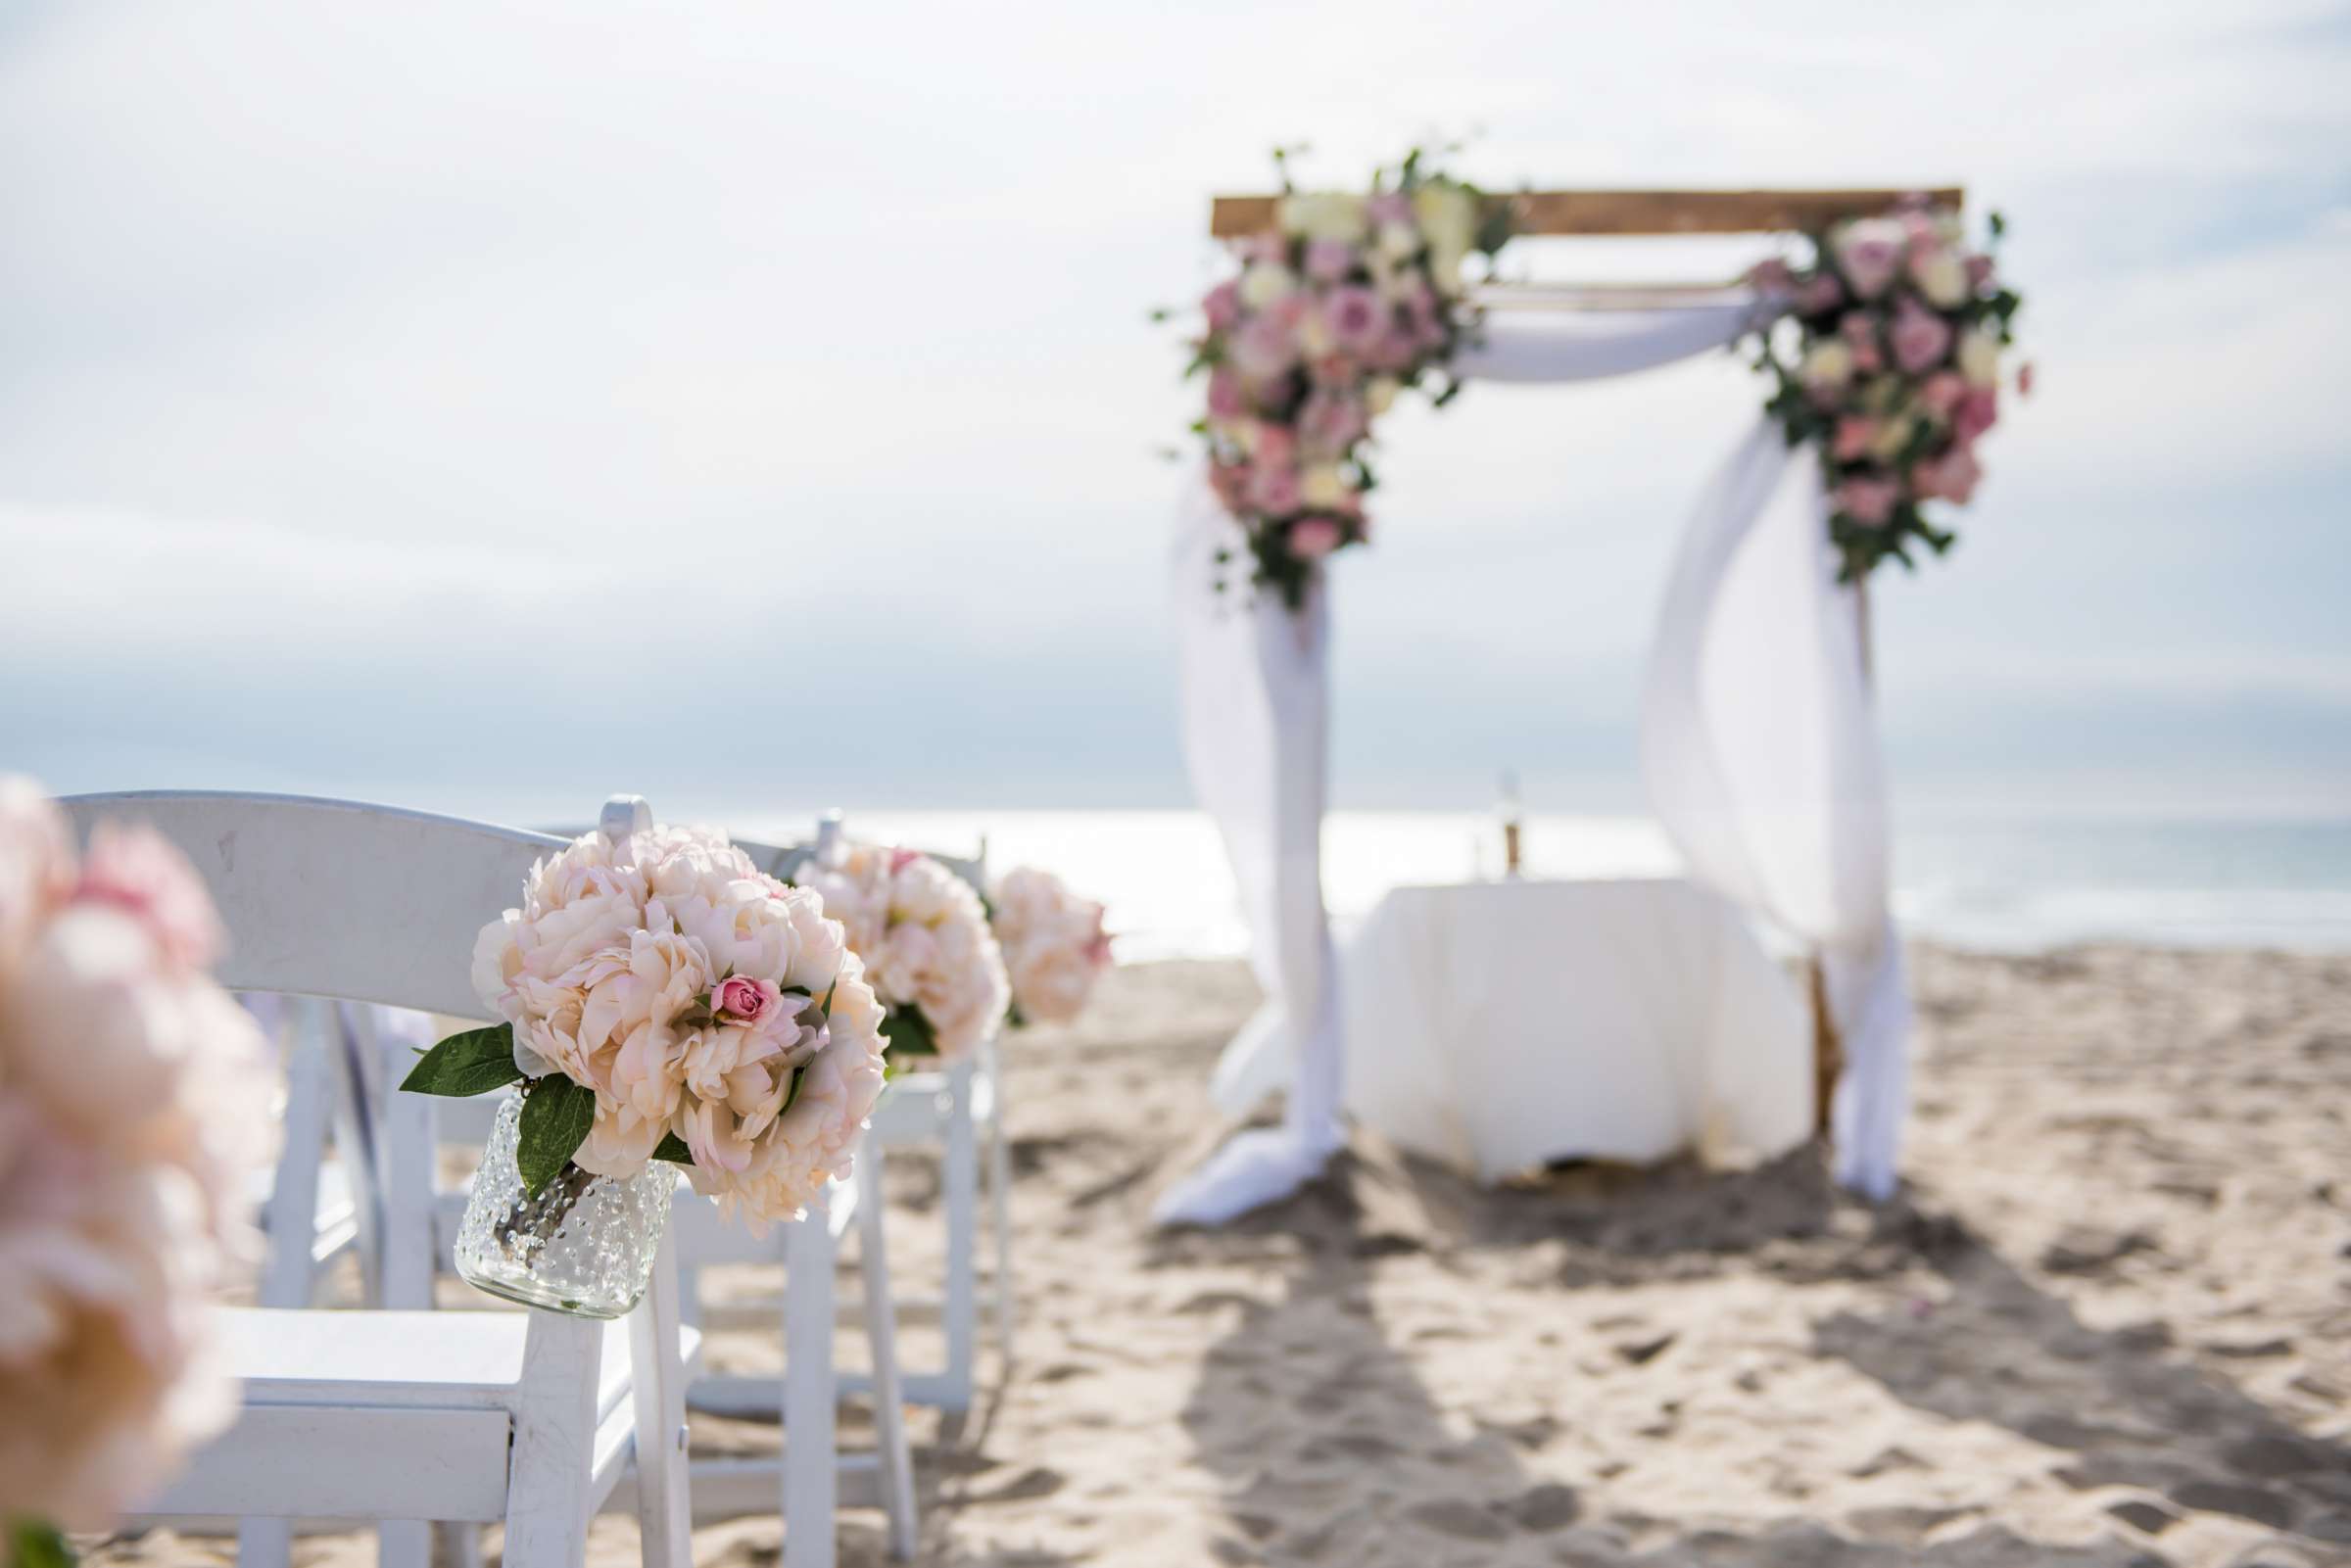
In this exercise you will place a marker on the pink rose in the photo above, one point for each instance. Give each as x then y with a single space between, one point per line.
1855 433
137 870
1328 260
1312 538
1868 502
1870 252
1277 446
1355 317
900 858
744 1000
2024 379
1867 361
1818 295
1224 401
1951 477
1942 393
1263 348
1274 491
1979 271
1330 421
1389 207
1223 307
1920 338
1977 413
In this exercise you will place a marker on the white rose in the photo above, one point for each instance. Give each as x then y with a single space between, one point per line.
1449 223
1379 394
1399 241
1892 436
1322 486
1266 283
1323 215
1314 334
1829 365
1979 358
1943 279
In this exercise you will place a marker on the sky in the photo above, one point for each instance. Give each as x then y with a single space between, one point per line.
477 404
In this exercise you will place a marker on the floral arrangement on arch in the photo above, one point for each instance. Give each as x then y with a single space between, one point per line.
135 1115
1352 299
923 935
1054 945
1895 375
675 1004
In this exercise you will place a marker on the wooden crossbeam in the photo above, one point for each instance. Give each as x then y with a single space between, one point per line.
1640 211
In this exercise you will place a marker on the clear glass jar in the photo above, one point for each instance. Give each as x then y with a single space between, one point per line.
585 1244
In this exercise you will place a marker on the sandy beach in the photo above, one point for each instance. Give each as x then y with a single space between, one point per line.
2108 1322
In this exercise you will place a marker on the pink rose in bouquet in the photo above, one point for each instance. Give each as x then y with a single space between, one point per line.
1921 339
1316 537
1054 945
1868 501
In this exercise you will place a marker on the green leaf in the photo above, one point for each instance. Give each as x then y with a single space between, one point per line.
556 1115
673 1149
36 1544
464 1065
908 1033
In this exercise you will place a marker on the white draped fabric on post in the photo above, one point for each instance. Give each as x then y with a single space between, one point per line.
1255 678
1761 761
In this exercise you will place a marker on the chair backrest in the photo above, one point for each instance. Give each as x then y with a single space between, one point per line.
337 899
785 860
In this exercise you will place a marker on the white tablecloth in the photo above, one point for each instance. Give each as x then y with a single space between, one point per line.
1501 1024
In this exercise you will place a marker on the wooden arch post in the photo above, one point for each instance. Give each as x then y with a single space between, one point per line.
1563 213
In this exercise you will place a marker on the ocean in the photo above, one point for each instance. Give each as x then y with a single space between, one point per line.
2001 883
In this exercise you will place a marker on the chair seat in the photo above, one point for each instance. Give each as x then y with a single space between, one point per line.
441 1361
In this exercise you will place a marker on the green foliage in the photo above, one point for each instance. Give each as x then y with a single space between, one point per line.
907 1032
474 1062
672 1148
36 1544
557 1116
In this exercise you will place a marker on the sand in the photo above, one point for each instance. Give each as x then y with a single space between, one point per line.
2108 1322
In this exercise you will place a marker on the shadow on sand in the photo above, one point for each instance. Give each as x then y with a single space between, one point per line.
1332 1451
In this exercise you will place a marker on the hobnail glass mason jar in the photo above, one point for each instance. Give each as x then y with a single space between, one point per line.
585 1244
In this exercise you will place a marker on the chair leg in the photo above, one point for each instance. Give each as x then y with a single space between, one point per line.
811 1453
999 1182
881 1335
960 1172
555 1425
460 1545
658 1373
404 1544
265 1543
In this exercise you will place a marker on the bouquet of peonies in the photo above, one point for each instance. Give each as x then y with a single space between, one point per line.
675 1004
1895 375
924 938
135 1103
1354 299
1053 941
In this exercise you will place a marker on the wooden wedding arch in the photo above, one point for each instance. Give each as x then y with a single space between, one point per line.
1655 212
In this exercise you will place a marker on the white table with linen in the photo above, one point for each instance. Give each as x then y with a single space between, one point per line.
1496 1026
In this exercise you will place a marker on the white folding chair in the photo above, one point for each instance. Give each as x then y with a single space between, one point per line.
399 1417
953 1109
419 1240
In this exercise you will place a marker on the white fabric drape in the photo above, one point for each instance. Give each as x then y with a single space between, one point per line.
1255 680
1760 756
